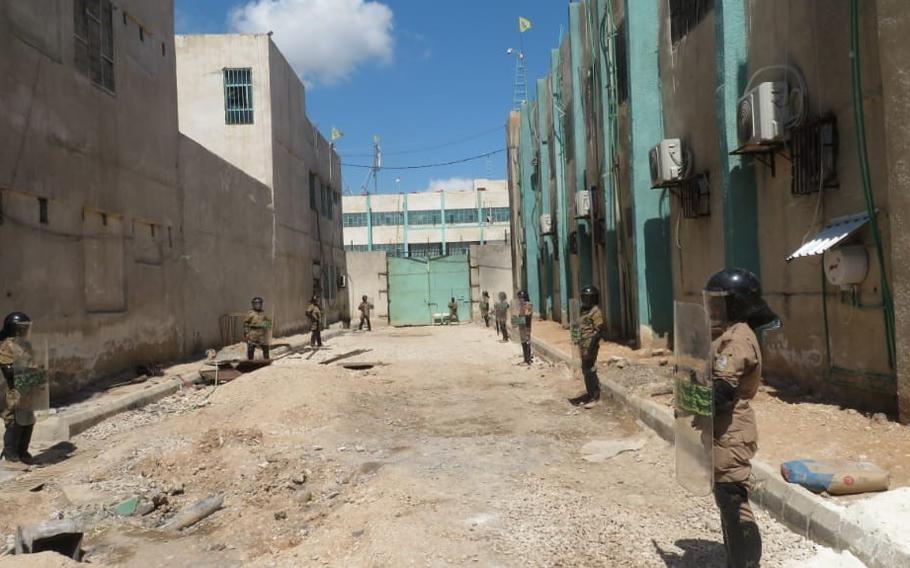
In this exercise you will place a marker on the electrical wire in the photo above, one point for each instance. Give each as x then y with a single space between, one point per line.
426 166
498 128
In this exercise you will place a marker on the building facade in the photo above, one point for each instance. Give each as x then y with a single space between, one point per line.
630 74
125 240
429 224
240 99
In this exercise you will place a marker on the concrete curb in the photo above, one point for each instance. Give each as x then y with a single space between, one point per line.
804 512
62 427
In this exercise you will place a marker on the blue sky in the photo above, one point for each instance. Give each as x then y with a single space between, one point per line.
420 73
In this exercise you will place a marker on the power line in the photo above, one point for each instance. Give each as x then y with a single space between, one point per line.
425 166
429 148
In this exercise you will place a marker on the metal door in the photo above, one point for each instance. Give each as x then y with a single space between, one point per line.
420 288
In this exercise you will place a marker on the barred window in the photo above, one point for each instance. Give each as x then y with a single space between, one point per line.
425 250
461 216
354 219
498 215
432 217
381 218
357 248
685 15
312 191
238 96
460 248
93 38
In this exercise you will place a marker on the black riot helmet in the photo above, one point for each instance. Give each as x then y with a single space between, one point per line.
502 297
590 297
16 324
257 303
364 297
522 295
734 295
486 294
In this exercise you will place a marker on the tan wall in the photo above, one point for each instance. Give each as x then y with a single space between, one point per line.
491 270
368 275
812 37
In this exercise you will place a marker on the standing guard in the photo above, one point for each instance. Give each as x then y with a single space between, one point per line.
256 328
590 332
314 314
485 308
365 307
25 390
524 313
501 311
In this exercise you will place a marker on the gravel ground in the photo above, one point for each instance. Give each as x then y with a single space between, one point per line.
446 453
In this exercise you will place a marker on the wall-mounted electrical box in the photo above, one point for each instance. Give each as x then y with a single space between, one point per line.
847 266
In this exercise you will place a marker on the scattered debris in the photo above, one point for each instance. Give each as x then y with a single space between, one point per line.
127 508
194 514
601 451
618 362
347 355
63 537
836 477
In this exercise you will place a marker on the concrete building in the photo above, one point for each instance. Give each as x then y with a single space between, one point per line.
240 99
677 70
427 224
124 240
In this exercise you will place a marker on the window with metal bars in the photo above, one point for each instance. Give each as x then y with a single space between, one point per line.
813 152
238 96
685 15
498 215
93 41
431 217
461 216
354 219
386 218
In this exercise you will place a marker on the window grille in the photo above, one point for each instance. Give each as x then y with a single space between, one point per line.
381 218
814 148
238 96
432 217
685 15
461 216
313 192
93 39
354 219
498 215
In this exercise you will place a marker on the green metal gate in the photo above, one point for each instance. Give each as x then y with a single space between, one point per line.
420 288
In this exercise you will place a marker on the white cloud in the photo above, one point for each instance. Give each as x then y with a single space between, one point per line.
324 40
450 184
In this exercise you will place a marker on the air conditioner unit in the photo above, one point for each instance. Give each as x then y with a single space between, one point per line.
762 115
546 224
582 203
342 281
668 163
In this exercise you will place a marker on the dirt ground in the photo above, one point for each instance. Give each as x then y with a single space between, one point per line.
446 452
791 425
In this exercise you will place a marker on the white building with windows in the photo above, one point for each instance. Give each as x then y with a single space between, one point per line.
428 224
239 98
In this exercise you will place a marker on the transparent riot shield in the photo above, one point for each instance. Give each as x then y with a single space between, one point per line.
575 334
694 399
31 399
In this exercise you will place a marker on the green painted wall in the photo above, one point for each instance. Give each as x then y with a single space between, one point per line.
738 184
580 139
544 107
530 211
562 210
653 268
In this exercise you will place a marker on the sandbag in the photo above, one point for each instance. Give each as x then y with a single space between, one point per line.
836 477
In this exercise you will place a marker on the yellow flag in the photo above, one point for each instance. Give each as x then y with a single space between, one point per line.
336 134
524 24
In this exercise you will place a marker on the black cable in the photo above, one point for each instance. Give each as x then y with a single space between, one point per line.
427 148
453 162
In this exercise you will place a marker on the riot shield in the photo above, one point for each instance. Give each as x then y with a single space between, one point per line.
694 399
30 377
575 334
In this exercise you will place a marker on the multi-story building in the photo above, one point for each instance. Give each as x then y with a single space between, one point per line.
240 99
428 224
698 135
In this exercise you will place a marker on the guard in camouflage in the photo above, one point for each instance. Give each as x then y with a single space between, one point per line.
524 313
256 328
365 307
590 332
738 314
453 311
19 371
501 311
485 308
314 314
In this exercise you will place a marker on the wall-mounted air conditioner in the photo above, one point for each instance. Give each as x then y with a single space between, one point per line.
582 203
546 224
762 115
669 163
342 281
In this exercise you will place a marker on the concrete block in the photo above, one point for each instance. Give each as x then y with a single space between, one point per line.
53 430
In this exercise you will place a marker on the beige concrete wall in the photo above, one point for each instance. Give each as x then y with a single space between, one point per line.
101 288
368 275
491 270
812 37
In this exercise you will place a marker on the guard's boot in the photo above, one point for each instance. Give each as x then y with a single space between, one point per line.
526 349
25 439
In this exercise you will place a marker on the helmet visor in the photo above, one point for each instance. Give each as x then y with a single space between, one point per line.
716 306
21 329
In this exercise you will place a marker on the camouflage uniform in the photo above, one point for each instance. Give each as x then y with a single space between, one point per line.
314 313
737 361
501 310
590 331
524 312
18 416
485 310
256 333
365 308
453 311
